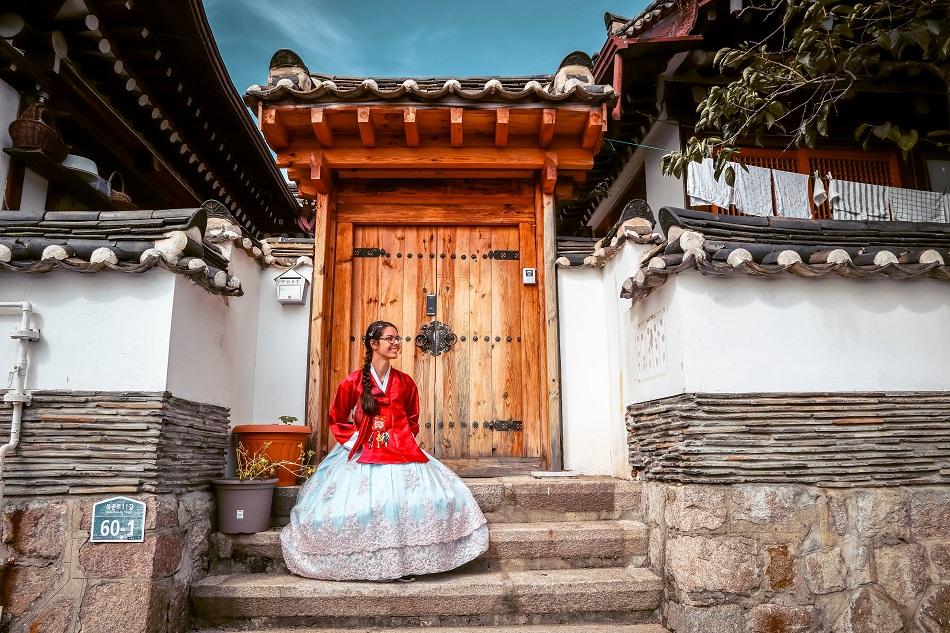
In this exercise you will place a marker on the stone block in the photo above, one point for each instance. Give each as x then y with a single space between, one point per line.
54 618
654 501
880 513
857 562
159 555
179 611
136 606
774 618
838 515
933 616
36 529
728 564
769 508
940 557
902 571
197 544
195 506
718 619
25 585
657 549
780 569
930 514
825 571
869 612
695 508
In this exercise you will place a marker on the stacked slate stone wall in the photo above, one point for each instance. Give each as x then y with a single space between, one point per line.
85 442
780 514
78 448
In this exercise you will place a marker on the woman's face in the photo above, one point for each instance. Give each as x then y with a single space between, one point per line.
389 344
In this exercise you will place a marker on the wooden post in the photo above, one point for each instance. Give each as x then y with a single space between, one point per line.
553 383
501 127
412 128
318 364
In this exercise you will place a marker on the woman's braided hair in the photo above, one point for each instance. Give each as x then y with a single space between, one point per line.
373 332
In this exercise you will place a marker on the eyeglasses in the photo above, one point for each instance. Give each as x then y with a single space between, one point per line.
392 340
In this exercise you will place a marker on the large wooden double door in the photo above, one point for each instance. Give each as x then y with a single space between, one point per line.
469 328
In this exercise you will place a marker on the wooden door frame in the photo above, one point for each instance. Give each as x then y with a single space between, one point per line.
327 308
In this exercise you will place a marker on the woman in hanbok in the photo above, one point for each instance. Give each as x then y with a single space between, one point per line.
379 507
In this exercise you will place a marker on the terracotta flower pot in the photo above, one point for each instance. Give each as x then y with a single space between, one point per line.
244 506
287 442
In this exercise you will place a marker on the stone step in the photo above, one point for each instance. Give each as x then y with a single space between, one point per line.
512 547
525 499
518 628
575 596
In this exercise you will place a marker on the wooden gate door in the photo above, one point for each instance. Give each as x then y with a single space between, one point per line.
471 348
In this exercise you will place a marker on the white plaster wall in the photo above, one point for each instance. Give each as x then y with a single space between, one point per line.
586 381
9 104
662 190
788 334
598 379
280 383
211 355
35 188
655 356
107 331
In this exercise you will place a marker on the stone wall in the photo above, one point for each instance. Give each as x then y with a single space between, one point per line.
86 442
764 558
53 580
78 448
795 513
827 439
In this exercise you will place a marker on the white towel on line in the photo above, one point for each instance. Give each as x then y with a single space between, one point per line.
819 195
791 194
703 188
858 201
911 205
753 190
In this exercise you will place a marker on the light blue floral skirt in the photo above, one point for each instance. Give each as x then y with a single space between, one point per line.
358 521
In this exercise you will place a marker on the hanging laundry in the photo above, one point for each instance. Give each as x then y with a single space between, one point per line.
858 201
753 190
791 194
910 205
819 195
703 188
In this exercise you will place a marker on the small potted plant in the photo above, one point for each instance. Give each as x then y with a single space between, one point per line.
244 501
281 443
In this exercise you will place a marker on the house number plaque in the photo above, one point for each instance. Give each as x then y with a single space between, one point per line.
118 520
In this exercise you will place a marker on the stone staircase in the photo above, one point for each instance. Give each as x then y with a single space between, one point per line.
565 556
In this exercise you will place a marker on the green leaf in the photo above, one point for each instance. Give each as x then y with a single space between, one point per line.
907 141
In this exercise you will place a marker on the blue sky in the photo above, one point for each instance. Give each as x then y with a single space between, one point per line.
402 38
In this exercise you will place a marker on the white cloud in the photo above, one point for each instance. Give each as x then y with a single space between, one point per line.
316 33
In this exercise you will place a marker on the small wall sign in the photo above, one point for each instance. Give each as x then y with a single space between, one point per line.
118 519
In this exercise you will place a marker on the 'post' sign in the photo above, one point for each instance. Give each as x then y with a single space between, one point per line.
118 520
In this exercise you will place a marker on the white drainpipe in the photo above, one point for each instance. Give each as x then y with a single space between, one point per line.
17 395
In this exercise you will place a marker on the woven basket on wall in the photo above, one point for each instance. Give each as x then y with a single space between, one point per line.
36 129
117 193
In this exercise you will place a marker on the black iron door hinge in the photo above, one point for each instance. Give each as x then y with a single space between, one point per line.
368 252
504 425
506 255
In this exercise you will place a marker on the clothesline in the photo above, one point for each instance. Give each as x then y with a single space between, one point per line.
763 191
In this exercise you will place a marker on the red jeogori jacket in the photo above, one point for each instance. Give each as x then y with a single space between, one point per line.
389 436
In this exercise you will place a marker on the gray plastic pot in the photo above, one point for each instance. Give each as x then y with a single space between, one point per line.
244 506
